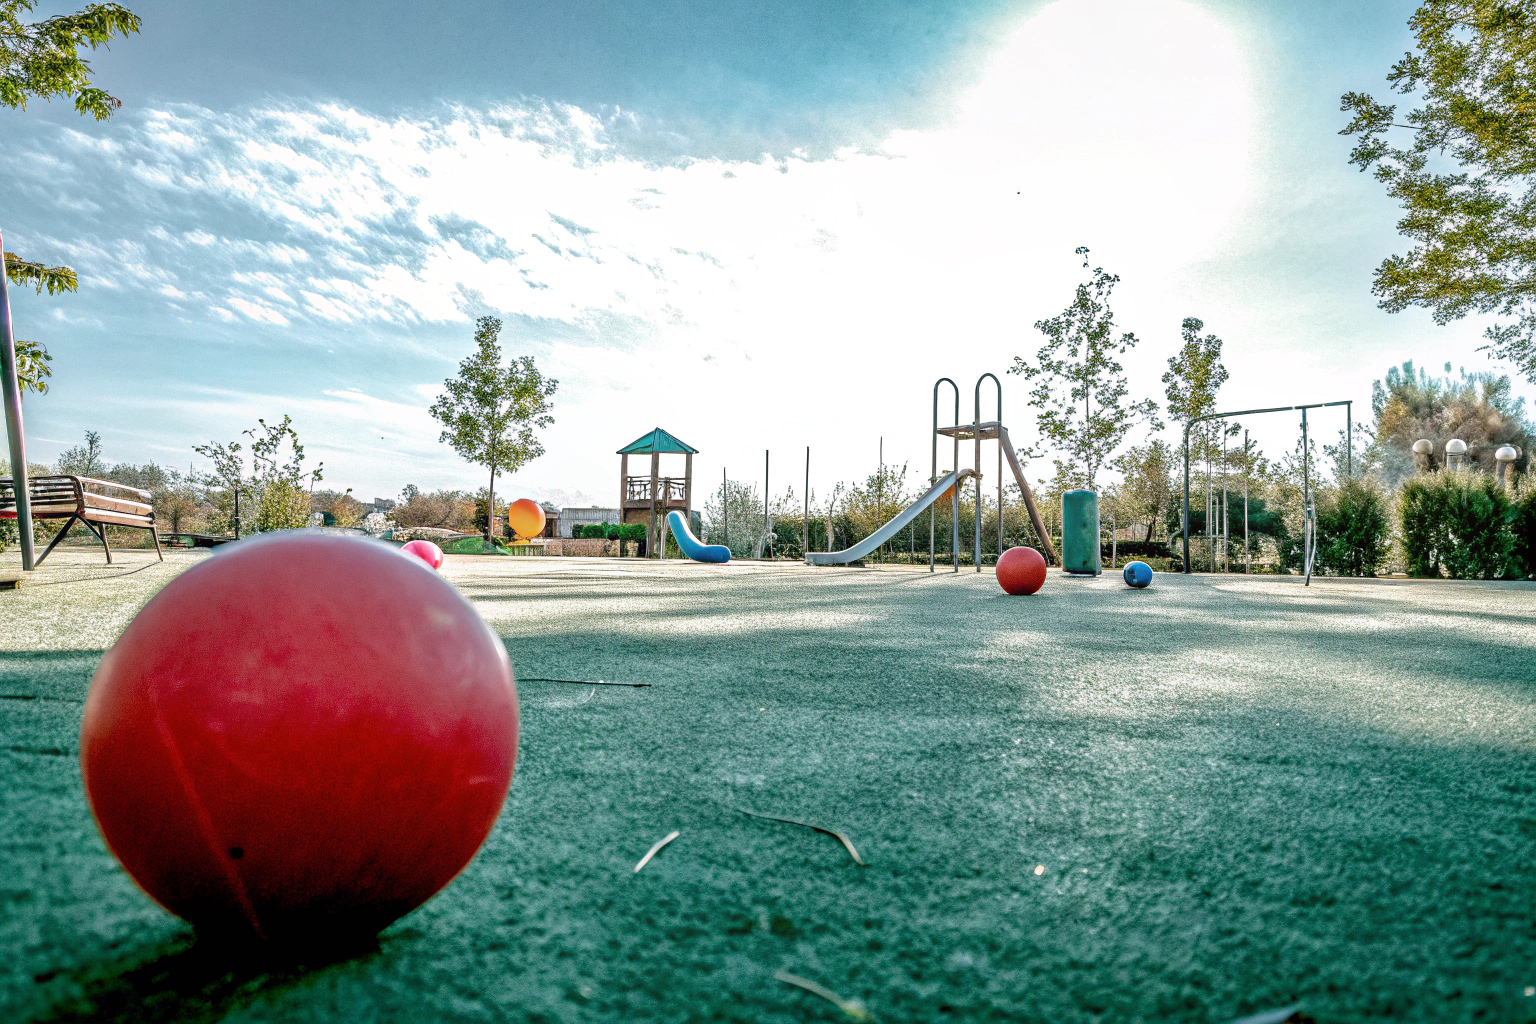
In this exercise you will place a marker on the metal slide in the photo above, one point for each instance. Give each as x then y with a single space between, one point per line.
1051 558
892 528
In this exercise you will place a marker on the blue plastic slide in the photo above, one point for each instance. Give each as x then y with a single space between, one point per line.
691 545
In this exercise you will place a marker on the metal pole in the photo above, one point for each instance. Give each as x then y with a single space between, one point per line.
1247 556
934 452
10 390
1349 440
806 544
767 523
1114 539
725 514
880 493
1306 500
976 430
1187 568
1226 532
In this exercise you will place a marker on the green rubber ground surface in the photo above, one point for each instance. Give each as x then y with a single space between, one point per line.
1193 802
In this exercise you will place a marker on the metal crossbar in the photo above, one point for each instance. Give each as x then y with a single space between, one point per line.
1309 530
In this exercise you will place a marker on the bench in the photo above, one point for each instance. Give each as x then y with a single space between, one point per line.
96 503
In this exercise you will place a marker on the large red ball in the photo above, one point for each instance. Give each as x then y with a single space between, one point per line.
303 736
1021 570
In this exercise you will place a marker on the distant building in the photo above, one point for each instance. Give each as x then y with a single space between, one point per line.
592 516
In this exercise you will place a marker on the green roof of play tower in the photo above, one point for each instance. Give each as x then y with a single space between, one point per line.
658 441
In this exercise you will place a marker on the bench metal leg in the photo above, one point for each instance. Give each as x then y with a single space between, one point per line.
101 531
156 534
55 542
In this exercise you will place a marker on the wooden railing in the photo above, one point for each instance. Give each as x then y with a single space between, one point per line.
638 488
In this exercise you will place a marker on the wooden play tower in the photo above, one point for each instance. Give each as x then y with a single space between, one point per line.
648 499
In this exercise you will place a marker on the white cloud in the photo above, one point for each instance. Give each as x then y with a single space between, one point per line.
716 295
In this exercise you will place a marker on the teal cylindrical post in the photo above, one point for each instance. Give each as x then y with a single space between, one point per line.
1080 532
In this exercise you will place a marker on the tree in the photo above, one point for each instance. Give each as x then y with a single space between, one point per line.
278 484
1146 493
489 411
1479 408
83 459
1475 62
42 60
1076 369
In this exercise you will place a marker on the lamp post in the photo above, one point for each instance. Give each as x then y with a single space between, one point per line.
1423 455
1506 456
1455 454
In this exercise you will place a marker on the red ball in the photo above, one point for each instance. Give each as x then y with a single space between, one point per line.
426 551
1021 570
303 736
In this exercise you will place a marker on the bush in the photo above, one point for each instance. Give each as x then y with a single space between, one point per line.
1456 521
284 505
1522 529
1127 550
1353 530
1422 521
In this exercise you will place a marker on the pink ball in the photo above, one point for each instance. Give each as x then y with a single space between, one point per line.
426 551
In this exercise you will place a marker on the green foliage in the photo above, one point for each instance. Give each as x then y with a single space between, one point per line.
83 459
1354 529
1194 377
733 518
278 488
39 275
1475 62
1076 368
1423 524
42 59
32 369
1479 408
1457 522
1522 531
482 519
489 411
1146 493
443 510
1478 512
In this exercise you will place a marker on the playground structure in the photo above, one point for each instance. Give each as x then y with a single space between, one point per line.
977 431
641 498
1309 511
690 545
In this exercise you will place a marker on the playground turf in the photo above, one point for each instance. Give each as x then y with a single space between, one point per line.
1202 800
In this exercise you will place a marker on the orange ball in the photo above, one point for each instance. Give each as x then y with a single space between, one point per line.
1021 570
526 518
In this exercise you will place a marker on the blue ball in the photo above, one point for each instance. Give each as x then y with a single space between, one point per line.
1137 574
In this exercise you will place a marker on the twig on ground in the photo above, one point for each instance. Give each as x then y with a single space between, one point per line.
852 1007
1280 1016
834 833
578 682
653 851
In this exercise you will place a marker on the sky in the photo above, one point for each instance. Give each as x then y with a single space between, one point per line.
759 227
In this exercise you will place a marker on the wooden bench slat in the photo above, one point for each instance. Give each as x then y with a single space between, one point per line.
120 519
138 508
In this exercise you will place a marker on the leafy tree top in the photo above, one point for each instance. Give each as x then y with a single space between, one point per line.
1080 388
1474 69
489 411
1195 374
42 59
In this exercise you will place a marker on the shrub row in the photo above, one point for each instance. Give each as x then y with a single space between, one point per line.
1466 526
608 531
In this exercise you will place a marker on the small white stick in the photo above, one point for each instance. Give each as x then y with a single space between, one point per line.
653 851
